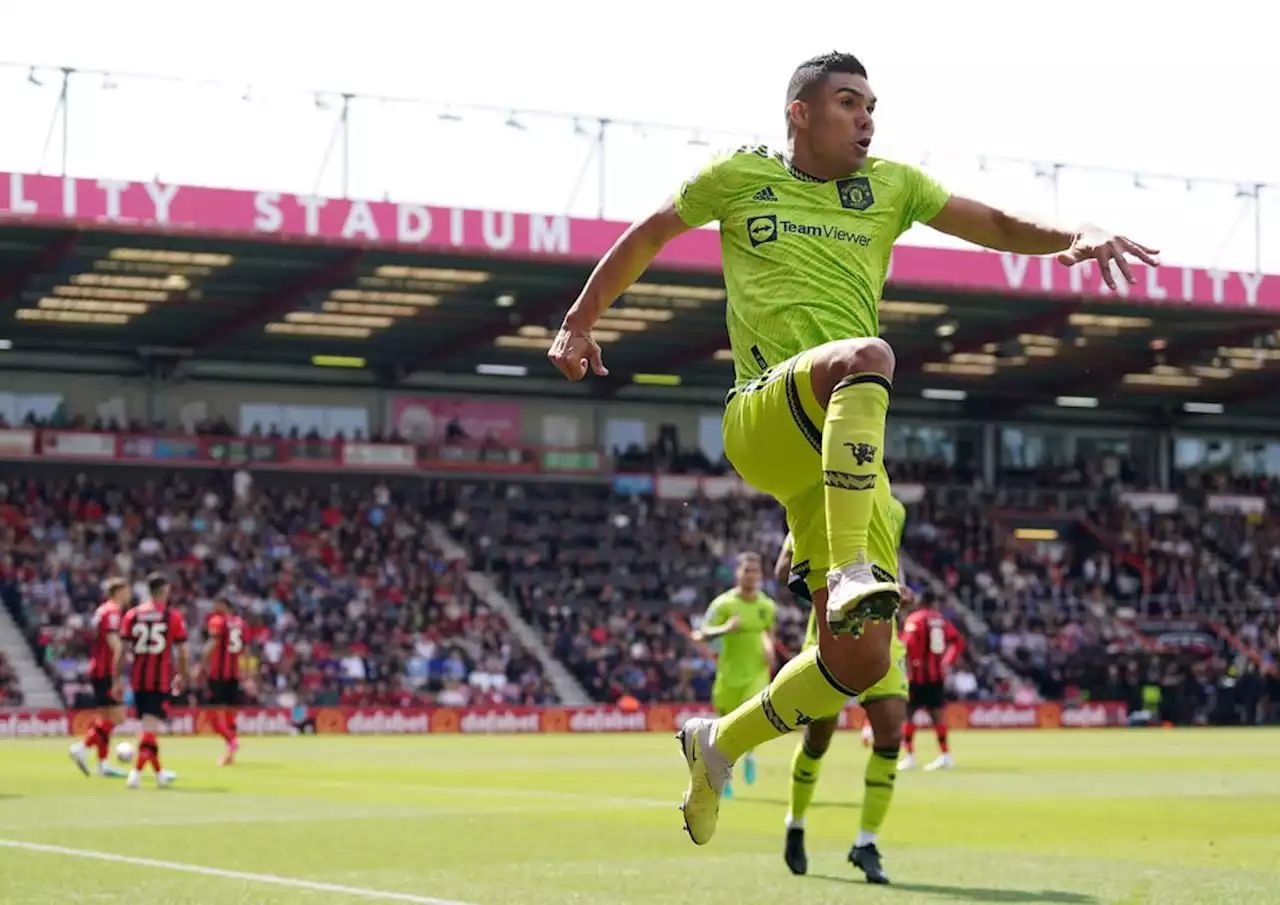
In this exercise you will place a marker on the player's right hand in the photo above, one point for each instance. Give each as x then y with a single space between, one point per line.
574 351
117 691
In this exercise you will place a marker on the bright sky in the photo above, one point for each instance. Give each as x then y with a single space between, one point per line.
1135 85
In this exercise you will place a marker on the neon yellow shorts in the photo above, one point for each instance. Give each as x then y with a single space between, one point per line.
726 697
893 685
773 437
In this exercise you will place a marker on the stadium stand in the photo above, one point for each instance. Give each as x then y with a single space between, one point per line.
350 602
10 693
347 600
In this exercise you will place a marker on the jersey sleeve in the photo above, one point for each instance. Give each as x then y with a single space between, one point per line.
924 197
703 198
717 613
213 628
111 621
771 614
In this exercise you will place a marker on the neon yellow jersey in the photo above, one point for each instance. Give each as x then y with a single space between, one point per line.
742 659
804 260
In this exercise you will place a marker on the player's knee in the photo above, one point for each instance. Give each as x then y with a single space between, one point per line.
856 663
817 737
888 738
847 358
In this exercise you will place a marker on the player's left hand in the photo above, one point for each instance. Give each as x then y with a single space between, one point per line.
179 685
1093 243
573 352
906 594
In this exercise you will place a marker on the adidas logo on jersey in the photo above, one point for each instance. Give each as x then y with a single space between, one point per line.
765 194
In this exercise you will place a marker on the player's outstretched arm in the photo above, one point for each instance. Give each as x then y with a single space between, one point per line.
999 230
782 568
574 351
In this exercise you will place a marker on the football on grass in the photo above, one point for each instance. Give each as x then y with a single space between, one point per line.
124 753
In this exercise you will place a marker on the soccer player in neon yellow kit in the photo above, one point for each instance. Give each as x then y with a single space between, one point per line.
885 704
743 617
806 238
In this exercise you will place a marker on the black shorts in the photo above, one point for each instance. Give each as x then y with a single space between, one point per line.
224 692
927 696
151 703
102 696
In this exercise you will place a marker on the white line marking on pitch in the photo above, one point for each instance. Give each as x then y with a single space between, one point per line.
229 874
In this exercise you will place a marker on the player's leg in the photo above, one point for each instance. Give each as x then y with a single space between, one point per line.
724 700
851 381
98 736
112 716
748 692
79 750
225 696
151 707
806 764
886 706
937 694
771 440
914 706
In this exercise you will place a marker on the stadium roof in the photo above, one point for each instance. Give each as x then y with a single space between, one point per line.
185 273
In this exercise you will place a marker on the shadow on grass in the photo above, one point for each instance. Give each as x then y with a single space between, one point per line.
975 894
782 803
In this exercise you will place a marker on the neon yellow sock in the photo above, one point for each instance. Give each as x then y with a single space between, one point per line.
852 459
801 692
882 771
804 780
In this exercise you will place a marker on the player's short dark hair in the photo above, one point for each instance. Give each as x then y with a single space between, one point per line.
813 72
116 585
749 556
156 583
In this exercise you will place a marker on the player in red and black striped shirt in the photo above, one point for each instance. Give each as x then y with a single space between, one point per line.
153 632
104 674
226 633
933 645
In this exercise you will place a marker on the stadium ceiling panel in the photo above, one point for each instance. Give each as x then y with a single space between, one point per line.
402 312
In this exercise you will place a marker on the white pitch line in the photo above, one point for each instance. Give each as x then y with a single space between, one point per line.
270 879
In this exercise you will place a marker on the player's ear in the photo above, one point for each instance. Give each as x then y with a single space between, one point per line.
797 115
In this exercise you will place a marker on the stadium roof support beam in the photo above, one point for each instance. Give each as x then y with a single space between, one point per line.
669 363
537 309
43 260
1180 352
278 303
1047 322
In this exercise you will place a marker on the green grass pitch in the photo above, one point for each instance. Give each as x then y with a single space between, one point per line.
1113 816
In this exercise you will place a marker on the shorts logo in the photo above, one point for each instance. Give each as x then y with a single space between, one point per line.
762 229
863 453
855 193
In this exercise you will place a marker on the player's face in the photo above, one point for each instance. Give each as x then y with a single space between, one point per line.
749 575
841 121
122 596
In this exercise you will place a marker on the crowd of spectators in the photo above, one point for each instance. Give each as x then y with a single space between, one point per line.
347 600
10 693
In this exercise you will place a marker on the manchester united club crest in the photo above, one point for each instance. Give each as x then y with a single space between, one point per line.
855 193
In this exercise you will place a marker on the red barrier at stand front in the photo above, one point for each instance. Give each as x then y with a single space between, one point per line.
529 720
